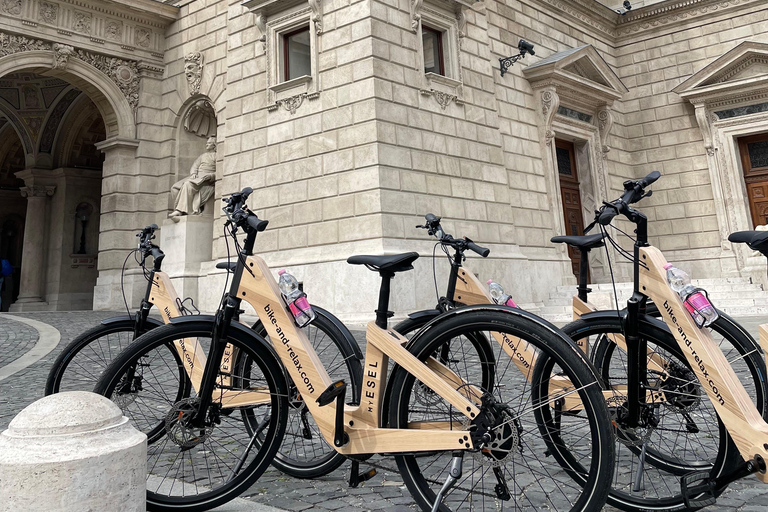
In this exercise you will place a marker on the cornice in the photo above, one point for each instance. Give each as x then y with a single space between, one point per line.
147 12
672 11
586 12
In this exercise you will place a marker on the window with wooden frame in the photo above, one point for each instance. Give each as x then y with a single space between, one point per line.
432 44
296 54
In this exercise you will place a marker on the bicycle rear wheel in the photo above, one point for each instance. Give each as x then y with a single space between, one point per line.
517 459
198 468
683 432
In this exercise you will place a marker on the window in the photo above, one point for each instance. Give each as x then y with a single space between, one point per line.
432 42
297 60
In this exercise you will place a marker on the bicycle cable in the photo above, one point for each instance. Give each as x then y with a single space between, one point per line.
122 284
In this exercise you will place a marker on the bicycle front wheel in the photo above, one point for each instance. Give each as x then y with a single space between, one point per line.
680 431
194 467
514 471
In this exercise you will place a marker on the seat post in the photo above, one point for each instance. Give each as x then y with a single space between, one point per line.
382 312
583 289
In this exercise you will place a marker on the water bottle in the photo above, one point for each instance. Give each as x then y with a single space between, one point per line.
498 295
702 311
296 299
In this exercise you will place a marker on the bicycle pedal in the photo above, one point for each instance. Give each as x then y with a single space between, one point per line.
331 392
698 490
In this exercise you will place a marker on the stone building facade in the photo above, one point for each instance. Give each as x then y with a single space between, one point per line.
351 119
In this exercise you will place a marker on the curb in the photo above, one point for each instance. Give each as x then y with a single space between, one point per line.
47 339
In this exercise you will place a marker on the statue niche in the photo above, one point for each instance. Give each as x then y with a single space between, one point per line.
190 194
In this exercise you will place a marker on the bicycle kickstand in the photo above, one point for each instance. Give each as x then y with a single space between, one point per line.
454 473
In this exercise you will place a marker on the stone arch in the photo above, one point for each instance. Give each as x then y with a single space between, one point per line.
80 116
109 99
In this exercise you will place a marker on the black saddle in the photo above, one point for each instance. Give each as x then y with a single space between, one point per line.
229 265
583 242
756 240
390 264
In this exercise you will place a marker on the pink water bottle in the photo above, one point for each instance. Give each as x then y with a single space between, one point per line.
498 295
695 301
296 299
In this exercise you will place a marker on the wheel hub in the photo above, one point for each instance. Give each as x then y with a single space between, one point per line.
178 424
680 387
497 433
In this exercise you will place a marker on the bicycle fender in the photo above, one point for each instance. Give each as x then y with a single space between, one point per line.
425 313
343 328
153 322
647 319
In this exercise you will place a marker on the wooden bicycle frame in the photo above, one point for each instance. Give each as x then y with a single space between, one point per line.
361 423
726 392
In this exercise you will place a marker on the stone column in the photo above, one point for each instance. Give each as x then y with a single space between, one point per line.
33 267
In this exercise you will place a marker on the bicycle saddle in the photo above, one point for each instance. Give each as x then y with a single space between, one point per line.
584 242
392 263
229 265
756 240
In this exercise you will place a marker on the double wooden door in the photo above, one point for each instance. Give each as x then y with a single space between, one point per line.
569 192
754 160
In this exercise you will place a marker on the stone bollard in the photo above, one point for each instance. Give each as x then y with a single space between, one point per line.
72 452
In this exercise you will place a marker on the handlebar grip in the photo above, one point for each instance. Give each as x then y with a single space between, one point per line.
246 192
256 223
607 215
431 217
648 180
482 251
158 255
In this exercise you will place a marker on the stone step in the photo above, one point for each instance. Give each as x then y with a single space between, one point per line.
737 296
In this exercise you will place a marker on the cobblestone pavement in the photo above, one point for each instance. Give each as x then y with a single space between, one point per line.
385 492
15 339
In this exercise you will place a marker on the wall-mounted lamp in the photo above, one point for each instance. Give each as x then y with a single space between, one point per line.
83 212
524 47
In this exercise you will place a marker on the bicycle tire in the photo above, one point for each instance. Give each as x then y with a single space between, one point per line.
91 352
662 469
424 473
183 449
82 361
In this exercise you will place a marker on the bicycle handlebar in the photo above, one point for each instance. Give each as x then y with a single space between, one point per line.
634 191
434 228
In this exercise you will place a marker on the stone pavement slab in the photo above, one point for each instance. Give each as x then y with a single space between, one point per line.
275 491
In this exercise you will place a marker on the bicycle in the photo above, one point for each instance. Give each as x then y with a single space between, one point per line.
663 390
434 422
79 365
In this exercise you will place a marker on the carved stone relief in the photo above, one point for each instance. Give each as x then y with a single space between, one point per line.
14 44
605 123
81 22
48 13
38 191
416 14
292 103
143 38
261 24
317 15
442 98
550 101
113 30
193 70
201 119
124 73
12 7
61 54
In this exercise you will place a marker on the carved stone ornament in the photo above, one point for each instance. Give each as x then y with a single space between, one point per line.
38 191
416 14
550 102
12 7
443 98
81 22
61 54
48 13
293 103
461 21
124 73
704 125
143 37
201 119
193 70
605 122
317 15
113 30
15 44
261 24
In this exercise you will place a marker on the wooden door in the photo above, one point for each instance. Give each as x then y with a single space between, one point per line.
569 193
754 160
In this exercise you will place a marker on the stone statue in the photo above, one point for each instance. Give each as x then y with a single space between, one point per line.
190 194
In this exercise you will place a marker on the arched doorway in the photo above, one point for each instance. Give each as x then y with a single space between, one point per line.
57 119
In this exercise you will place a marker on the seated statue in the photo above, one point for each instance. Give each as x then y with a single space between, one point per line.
190 194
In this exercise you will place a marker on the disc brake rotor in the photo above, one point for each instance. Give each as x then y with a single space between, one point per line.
179 428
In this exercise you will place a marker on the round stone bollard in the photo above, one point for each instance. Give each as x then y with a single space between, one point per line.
72 452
